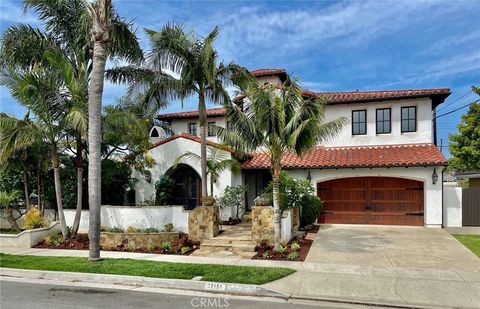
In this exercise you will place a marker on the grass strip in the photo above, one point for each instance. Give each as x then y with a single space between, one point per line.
472 242
131 267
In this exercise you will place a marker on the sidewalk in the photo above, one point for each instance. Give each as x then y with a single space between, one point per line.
426 287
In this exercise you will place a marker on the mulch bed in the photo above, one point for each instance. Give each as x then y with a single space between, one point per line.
305 244
81 242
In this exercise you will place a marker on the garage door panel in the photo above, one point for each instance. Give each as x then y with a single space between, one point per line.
372 200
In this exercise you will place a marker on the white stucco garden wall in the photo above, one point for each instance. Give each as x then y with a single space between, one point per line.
345 138
452 204
432 192
138 217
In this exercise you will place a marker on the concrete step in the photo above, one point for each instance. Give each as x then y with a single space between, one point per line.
227 247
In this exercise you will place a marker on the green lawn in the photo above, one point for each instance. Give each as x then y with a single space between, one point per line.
472 242
217 273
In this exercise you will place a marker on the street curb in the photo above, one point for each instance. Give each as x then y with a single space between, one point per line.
140 281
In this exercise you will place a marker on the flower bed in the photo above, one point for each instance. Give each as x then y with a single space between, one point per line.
295 250
178 245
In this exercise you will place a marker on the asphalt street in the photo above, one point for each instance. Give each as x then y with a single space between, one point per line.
27 295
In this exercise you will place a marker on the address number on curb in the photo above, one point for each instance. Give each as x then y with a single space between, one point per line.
213 286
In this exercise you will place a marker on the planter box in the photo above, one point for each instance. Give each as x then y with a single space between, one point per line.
29 238
137 240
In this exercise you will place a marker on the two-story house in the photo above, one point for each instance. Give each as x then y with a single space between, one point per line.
383 167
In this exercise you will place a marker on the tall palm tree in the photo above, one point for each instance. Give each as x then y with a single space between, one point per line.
110 36
217 162
39 92
277 120
194 61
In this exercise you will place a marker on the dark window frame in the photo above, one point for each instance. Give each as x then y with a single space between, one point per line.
190 128
408 119
383 120
365 122
210 125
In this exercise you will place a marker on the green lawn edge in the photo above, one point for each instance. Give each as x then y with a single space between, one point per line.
153 269
472 242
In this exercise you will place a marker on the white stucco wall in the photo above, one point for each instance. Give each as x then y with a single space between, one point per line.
138 217
432 192
345 138
286 225
181 125
452 204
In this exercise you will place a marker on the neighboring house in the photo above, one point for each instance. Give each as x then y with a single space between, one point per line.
383 167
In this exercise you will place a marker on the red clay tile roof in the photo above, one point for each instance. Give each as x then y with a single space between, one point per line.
212 112
356 157
268 72
192 138
438 95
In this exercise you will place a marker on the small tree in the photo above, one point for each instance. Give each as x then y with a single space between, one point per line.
465 145
293 190
7 203
233 197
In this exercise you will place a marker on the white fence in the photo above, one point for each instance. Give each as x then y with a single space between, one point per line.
452 206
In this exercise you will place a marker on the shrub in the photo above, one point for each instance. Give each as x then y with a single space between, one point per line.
266 255
291 190
168 227
33 219
131 247
292 255
282 249
131 229
54 239
114 229
164 190
151 247
166 246
310 209
150 230
185 250
294 246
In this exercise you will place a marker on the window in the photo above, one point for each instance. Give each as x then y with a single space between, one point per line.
409 119
359 122
192 128
383 121
210 128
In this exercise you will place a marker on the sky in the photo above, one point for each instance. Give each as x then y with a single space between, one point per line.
329 45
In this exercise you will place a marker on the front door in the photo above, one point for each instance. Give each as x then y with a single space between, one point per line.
187 186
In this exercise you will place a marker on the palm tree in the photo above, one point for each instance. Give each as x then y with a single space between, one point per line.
195 61
39 92
110 36
217 162
277 120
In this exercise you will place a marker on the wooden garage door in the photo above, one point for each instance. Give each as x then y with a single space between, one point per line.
371 200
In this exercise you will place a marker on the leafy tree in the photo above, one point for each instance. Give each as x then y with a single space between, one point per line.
217 162
116 180
195 61
278 120
465 145
7 202
310 205
233 196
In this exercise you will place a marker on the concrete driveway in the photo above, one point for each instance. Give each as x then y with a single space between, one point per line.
391 246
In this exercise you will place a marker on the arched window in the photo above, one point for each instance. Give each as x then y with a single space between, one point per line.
154 133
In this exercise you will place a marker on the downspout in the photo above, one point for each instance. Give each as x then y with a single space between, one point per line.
435 127
443 202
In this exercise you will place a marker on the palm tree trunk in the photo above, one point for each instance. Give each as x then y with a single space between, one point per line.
39 188
100 35
211 185
202 113
78 211
277 216
11 219
58 191
25 188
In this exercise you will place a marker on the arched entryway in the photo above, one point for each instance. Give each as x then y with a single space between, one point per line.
371 200
188 186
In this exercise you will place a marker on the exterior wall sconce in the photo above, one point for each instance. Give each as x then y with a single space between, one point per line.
434 176
309 177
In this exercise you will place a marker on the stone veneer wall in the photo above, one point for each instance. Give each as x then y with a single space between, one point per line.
136 240
262 224
203 223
